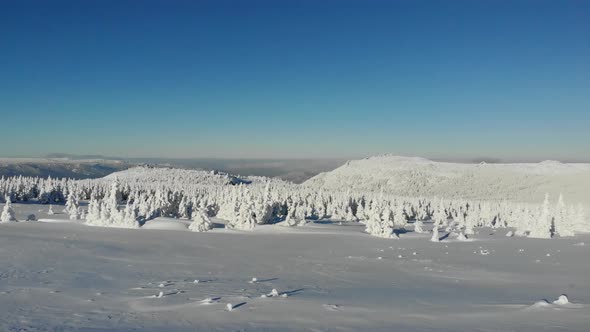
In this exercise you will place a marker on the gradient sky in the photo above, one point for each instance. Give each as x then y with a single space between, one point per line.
451 79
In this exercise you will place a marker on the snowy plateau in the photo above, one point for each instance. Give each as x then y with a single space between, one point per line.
385 243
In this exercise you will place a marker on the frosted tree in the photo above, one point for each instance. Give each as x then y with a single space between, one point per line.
349 215
263 211
129 216
580 223
245 220
440 216
360 212
562 219
419 226
72 206
7 212
373 221
470 219
378 225
387 214
201 222
295 216
183 208
435 237
106 212
399 217
543 224
115 194
93 210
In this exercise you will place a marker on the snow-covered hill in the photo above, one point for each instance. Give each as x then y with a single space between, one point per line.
166 175
413 176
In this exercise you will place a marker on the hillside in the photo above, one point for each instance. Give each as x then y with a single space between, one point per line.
413 176
180 177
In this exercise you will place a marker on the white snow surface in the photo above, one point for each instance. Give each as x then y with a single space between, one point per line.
415 177
71 277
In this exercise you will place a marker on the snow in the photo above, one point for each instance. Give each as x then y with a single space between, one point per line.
71 277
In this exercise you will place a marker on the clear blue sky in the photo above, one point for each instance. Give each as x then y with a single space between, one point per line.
508 79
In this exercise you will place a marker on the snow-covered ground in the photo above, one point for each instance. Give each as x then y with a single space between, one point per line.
65 276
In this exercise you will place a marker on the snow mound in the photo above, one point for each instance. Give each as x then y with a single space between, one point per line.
561 300
169 224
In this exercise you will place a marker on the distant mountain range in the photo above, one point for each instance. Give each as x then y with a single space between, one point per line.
60 167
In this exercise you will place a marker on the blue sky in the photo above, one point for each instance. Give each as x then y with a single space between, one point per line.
443 79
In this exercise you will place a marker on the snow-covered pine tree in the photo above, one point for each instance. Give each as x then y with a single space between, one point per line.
72 206
93 214
543 223
379 225
263 211
245 220
435 237
129 216
563 221
201 222
183 208
419 226
7 212
440 216
399 218
580 224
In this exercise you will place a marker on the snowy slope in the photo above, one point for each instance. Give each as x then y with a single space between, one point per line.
413 176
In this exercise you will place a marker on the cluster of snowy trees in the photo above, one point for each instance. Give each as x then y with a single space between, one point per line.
128 199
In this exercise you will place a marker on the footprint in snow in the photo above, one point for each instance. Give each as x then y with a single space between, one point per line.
162 294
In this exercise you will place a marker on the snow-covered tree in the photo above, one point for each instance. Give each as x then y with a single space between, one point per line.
72 206
563 221
580 223
295 216
543 223
419 226
435 237
440 216
378 225
245 220
201 222
7 212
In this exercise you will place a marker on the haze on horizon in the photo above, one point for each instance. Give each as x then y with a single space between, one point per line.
460 80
